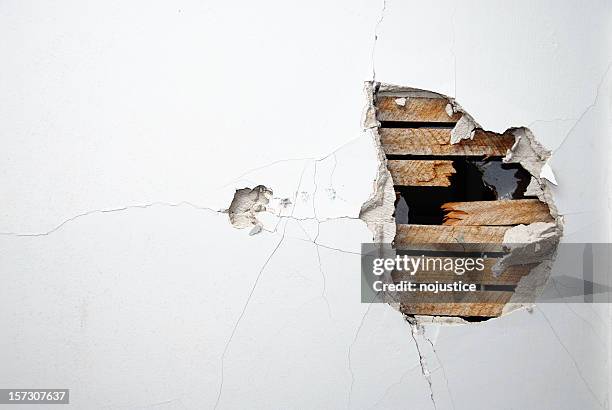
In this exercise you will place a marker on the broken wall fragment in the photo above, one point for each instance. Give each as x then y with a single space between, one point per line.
245 206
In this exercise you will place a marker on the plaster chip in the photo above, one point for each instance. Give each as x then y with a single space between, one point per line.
245 206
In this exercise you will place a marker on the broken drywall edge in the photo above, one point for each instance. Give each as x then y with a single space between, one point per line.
465 127
463 130
245 206
537 242
390 90
368 117
528 244
534 189
532 156
548 174
531 233
377 211
530 286
527 151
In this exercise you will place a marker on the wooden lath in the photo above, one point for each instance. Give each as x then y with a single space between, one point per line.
510 276
509 212
414 109
410 235
478 303
421 173
436 141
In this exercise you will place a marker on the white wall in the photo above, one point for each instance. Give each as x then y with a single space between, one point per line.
126 126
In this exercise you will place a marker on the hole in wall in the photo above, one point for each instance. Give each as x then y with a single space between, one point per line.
485 180
245 206
508 181
424 203
455 187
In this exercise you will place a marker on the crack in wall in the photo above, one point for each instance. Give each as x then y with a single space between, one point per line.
587 109
573 360
261 271
376 202
453 35
242 313
111 210
250 295
376 27
448 389
424 369
388 389
350 367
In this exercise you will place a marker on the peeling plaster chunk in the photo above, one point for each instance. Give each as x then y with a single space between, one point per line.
245 206
547 173
401 101
527 151
534 189
464 130
377 212
533 243
531 233
532 156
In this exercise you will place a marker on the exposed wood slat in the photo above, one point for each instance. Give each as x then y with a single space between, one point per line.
456 238
414 109
511 276
485 304
513 212
421 173
436 141
422 234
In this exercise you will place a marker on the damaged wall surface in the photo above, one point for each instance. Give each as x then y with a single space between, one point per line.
495 176
125 144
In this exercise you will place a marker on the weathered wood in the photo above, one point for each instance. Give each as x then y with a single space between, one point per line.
414 109
436 141
511 276
450 238
478 303
421 173
510 212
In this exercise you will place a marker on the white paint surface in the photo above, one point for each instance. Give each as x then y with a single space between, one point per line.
160 110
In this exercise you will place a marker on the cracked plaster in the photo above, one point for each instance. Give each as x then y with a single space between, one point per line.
131 267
